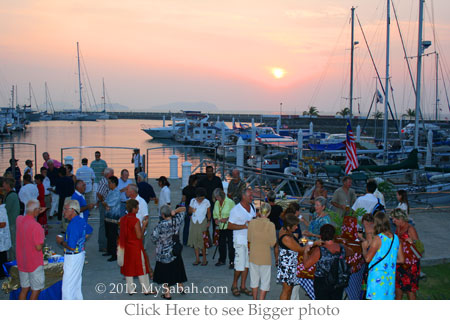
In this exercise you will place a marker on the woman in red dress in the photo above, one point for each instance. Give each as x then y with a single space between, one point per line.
42 218
408 273
135 261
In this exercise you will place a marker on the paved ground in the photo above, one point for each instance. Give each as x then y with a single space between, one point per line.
433 227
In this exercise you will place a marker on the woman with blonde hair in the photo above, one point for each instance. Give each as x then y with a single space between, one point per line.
382 255
262 237
408 273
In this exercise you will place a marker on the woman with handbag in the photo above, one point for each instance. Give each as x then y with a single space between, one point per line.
200 220
169 268
382 255
324 256
131 256
408 273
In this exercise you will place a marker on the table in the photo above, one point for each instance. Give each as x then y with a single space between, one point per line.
53 281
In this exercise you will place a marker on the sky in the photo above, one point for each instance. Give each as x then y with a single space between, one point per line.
242 56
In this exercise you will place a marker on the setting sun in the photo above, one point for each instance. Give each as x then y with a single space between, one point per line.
278 72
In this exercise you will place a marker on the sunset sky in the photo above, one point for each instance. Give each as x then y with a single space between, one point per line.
245 55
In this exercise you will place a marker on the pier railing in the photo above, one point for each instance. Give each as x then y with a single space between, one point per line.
17 150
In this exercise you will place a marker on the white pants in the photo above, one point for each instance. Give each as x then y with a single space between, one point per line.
55 201
143 280
72 278
260 276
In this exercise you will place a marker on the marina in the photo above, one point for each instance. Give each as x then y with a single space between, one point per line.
251 151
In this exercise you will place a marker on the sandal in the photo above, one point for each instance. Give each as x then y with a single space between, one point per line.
235 291
246 291
195 263
166 298
205 263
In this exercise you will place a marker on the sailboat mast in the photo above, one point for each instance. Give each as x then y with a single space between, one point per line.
79 77
104 97
351 62
437 87
29 93
419 75
46 98
386 85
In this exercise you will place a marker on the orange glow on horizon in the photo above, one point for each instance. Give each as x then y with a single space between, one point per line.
278 72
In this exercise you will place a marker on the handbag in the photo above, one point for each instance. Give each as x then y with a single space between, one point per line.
177 247
206 239
363 293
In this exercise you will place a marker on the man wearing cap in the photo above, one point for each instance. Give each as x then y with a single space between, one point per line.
46 158
74 251
145 189
16 174
86 174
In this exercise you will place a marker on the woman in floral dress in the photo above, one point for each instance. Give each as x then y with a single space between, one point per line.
382 255
408 273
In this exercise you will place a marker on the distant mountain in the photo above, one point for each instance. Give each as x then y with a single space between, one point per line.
113 107
185 106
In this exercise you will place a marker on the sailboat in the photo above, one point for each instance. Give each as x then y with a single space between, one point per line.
76 115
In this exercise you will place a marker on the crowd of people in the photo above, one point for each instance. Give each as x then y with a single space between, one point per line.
207 214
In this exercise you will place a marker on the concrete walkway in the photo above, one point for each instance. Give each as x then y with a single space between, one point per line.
433 227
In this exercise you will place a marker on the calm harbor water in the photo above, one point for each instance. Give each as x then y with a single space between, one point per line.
52 136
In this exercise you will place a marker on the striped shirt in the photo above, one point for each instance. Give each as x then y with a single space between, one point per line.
103 188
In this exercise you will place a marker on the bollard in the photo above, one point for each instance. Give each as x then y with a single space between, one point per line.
173 167
428 159
185 173
240 156
68 160
299 146
253 142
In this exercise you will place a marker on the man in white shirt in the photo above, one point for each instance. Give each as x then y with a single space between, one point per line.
238 221
28 192
368 201
86 174
133 193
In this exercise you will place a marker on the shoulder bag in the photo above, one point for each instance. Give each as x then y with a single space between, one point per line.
367 270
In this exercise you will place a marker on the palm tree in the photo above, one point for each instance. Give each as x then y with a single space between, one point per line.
313 111
344 112
410 113
377 115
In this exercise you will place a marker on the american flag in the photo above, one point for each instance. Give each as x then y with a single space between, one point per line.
351 160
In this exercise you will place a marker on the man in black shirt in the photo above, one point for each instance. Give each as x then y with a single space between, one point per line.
188 195
276 210
146 191
210 183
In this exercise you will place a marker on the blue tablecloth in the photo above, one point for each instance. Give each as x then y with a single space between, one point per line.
54 292
353 290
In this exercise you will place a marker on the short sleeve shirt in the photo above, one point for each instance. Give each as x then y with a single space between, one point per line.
76 234
239 216
87 175
98 167
367 202
342 198
29 234
201 210
164 196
